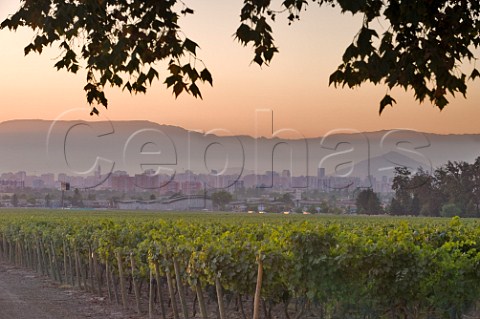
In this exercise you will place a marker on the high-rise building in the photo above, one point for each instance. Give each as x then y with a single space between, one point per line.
48 180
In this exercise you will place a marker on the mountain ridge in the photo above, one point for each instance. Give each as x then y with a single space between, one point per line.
73 147
236 135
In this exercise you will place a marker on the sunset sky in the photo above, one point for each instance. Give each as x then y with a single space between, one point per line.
295 86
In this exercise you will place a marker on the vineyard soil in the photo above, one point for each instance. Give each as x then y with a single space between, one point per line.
25 295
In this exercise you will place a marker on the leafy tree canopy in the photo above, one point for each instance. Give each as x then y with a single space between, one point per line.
431 193
422 46
221 199
368 202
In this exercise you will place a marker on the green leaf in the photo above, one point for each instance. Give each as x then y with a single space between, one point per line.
387 100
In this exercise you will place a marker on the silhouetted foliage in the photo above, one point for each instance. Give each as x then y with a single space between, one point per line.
221 199
450 210
48 200
421 46
14 200
77 198
453 189
368 202
287 199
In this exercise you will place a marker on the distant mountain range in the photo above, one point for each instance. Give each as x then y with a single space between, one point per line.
77 147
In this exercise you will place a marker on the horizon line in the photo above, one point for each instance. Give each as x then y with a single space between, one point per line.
241 134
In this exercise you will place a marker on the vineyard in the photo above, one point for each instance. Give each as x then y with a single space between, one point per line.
239 266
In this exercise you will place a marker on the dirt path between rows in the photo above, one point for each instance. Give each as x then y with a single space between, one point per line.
27 295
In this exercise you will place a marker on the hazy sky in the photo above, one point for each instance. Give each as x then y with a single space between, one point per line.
295 86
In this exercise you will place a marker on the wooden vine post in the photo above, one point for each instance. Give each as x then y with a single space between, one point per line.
65 262
159 290
107 278
221 306
171 292
150 293
258 289
90 268
181 290
96 272
135 284
122 280
201 300
57 272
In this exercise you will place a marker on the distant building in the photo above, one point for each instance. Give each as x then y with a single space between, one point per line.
38 183
179 203
191 187
122 183
48 180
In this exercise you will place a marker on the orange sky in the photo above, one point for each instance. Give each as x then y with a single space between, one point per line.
294 87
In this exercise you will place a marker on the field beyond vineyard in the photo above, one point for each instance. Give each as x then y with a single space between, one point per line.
228 265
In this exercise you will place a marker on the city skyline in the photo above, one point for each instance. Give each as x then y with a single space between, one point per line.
190 182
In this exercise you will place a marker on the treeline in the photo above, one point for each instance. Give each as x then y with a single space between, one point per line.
451 190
